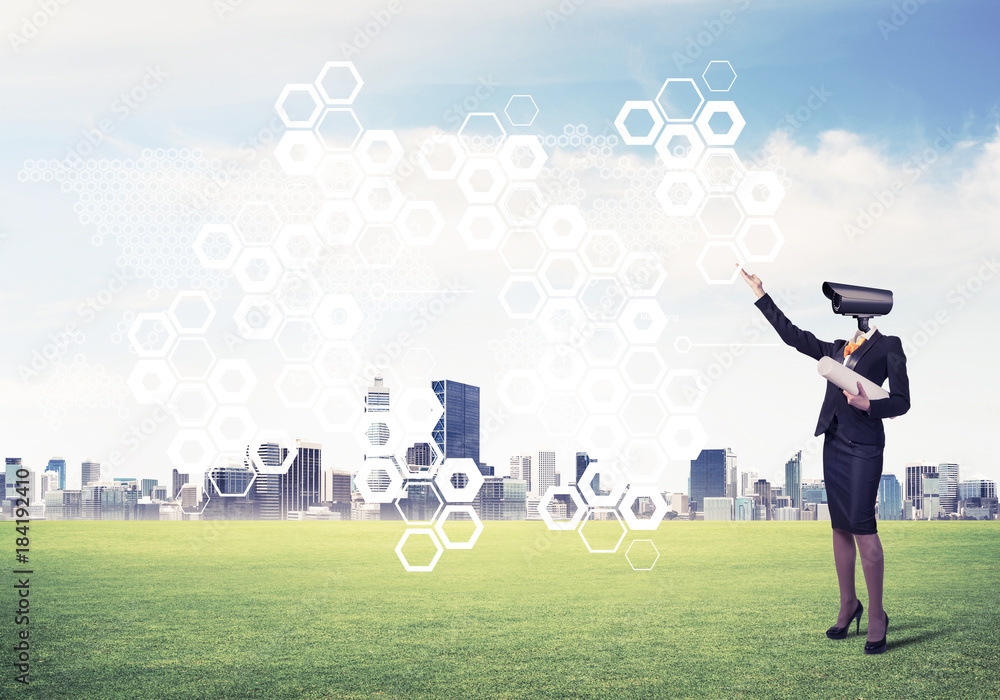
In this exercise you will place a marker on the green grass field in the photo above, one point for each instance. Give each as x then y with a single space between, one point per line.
325 610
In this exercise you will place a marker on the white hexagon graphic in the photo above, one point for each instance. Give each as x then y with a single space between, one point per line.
455 467
304 103
603 390
679 99
339 222
299 152
229 460
298 386
522 203
151 381
603 251
466 510
680 146
562 368
643 367
217 246
481 180
562 274
152 334
720 170
338 362
338 316
379 151
684 437
380 434
549 496
191 311
651 492
420 223
562 227
522 157
486 143
422 531
482 227
760 192
642 274
191 451
404 494
716 262
614 516
642 544
602 434
257 317
563 321
392 486
417 408
271 460
232 381
338 409
643 138
441 156
339 82
232 428
521 391
521 110
680 193
298 246
522 297
380 199
339 129
257 270
643 320
191 358
683 390
191 405
721 138
760 240
602 469
719 76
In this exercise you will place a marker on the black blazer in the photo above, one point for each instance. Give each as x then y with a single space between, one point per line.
878 358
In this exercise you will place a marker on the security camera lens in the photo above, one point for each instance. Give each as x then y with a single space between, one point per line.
836 302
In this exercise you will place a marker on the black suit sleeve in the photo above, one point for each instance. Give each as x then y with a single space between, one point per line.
898 401
803 341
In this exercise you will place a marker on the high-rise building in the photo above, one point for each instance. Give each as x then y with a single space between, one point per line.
520 468
502 499
747 480
191 496
763 491
178 480
977 488
227 488
583 461
708 476
744 508
58 465
301 484
793 479
267 496
147 487
12 464
48 482
377 401
717 508
948 475
62 504
546 473
913 484
679 503
420 455
731 472
90 472
931 499
457 431
890 498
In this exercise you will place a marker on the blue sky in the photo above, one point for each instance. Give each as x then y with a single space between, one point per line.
890 94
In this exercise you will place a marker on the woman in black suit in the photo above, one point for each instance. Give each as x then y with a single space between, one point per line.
852 457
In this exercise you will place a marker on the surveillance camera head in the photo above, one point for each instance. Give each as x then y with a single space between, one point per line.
860 302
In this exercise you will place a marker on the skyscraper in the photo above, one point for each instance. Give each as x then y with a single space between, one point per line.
763 491
708 476
178 480
377 401
302 483
890 498
731 472
793 479
90 472
977 488
58 465
583 461
931 495
948 474
546 472
914 488
457 431
420 455
12 464
747 480
520 468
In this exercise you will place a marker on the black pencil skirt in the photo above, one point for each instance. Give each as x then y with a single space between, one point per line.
852 472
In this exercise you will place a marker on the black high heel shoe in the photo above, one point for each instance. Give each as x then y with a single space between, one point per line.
841 632
879 646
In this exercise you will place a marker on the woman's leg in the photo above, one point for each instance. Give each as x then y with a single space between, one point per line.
873 565
844 556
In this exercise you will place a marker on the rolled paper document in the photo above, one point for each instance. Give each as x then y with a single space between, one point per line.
847 379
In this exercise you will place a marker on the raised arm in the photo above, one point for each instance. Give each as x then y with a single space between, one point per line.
803 341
